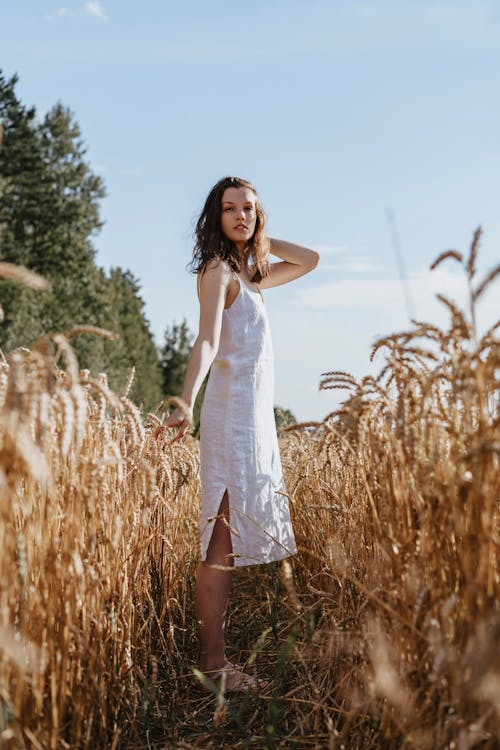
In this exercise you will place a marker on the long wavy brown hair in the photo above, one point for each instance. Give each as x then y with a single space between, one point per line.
211 242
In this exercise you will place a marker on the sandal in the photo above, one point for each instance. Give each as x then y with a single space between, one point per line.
232 679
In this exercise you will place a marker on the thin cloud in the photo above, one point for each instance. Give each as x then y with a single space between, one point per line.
349 258
356 265
62 13
95 9
328 250
351 294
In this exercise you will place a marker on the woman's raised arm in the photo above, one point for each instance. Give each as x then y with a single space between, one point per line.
297 261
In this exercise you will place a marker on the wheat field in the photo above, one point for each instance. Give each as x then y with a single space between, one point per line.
383 632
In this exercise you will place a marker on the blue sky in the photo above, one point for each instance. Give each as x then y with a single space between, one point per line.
336 111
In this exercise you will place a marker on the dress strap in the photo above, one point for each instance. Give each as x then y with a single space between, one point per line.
233 272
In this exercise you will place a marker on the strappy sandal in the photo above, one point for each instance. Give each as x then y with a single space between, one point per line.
232 679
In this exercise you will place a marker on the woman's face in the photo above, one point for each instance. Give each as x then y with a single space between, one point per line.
238 216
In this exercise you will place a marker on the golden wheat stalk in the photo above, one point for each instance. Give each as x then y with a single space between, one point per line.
444 255
489 278
91 331
22 275
471 263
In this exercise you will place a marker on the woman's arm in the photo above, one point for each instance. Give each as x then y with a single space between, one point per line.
297 261
213 286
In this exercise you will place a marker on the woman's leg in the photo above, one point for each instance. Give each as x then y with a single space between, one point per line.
212 592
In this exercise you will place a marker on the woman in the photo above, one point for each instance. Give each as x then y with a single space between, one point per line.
245 517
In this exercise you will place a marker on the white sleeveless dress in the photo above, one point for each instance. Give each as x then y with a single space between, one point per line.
238 442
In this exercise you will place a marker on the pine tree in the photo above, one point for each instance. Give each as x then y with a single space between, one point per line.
22 172
174 357
49 214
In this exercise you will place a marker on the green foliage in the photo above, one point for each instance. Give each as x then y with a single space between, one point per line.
49 213
174 356
283 417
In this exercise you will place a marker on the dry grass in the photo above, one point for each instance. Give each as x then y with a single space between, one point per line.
383 633
90 508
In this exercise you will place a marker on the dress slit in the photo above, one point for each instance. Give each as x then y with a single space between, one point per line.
217 517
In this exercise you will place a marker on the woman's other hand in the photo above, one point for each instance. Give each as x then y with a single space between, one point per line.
183 418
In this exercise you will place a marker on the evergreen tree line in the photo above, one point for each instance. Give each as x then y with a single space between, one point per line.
49 215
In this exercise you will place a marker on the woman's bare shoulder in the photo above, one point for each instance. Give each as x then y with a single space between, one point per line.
216 264
217 269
